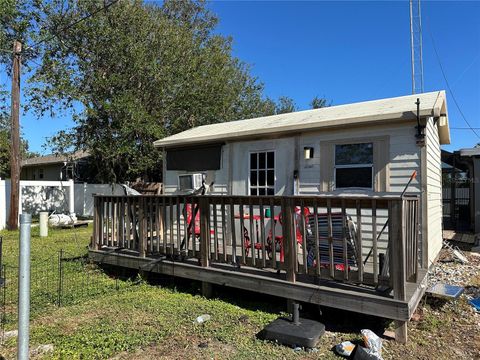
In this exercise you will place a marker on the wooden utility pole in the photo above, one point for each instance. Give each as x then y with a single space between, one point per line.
15 141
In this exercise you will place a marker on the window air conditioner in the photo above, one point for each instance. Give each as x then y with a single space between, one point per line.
190 182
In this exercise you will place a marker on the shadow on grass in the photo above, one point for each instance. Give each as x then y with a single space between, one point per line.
335 320
242 298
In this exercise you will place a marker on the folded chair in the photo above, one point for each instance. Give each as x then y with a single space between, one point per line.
341 226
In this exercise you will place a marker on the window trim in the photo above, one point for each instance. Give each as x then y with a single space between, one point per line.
249 187
353 166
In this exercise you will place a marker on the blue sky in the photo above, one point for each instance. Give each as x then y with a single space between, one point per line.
346 52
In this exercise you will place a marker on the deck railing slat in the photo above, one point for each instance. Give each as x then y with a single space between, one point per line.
262 233
330 239
242 228
346 265
316 233
224 231
374 244
359 242
303 233
253 233
233 232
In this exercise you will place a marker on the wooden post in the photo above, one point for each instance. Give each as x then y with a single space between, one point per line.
95 233
397 260
15 166
204 209
289 241
142 226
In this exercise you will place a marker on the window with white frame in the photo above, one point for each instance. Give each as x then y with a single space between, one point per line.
262 173
354 166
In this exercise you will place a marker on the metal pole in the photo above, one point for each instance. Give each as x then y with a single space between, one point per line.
24 287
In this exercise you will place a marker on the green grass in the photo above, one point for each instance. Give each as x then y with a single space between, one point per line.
131 320
137 320
80 280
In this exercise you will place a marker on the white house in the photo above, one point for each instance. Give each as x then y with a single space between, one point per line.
366 148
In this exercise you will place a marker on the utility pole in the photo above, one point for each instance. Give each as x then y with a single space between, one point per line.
15 140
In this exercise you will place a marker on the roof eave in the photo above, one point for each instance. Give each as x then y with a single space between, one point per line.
331 124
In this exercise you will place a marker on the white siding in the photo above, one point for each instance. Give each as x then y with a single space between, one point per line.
404 156
434 191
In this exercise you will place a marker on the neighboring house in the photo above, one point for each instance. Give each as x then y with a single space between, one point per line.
56 167
366 148
461 190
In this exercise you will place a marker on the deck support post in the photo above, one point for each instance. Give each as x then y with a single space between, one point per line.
401 331
204 209
397 260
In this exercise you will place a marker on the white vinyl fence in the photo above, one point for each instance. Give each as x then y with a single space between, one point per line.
54 196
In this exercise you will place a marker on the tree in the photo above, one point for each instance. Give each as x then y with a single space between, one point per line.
5 147
135 73
318 102
285 105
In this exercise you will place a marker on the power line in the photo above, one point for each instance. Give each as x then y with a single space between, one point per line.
105 7
463 128
448 85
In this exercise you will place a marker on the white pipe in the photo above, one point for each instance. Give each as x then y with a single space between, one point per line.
43 224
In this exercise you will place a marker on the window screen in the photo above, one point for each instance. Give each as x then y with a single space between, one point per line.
195 158
262 173
354 165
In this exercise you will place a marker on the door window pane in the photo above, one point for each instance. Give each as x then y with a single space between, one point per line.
261 160
270 177
270 160
261 178
253 178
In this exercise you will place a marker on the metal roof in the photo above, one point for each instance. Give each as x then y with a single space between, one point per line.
55 159
362 113
470 152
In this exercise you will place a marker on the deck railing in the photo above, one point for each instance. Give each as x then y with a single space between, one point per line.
362 240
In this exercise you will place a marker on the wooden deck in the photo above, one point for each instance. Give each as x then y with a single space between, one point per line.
333 253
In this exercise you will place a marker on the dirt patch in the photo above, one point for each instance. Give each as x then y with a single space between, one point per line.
189 347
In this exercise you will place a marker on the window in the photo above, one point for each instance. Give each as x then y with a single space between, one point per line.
40 174
354 166
262 173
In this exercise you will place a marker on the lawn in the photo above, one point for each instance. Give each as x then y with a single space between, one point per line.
139 320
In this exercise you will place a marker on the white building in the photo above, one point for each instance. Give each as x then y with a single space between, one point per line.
368 148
